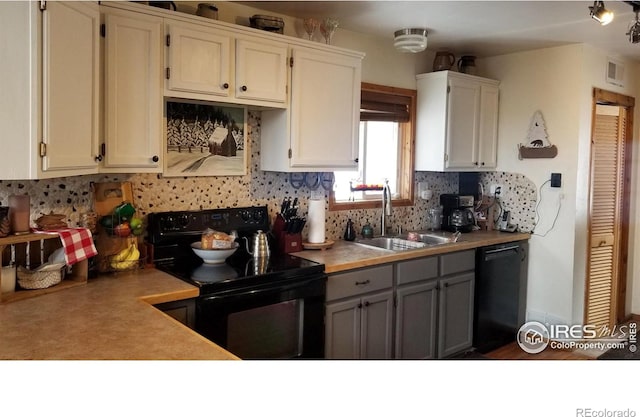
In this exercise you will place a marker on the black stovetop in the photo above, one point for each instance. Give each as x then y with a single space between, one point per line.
240 271
171 234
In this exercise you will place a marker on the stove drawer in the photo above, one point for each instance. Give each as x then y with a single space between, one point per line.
359 282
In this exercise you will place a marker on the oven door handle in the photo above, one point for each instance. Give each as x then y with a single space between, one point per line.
263 291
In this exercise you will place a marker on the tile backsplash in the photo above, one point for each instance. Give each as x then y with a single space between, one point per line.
152 193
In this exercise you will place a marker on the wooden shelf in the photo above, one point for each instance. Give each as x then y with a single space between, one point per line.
78 275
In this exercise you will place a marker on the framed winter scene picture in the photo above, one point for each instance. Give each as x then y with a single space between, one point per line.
205 140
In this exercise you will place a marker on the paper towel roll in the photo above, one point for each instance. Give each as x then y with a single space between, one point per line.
316 221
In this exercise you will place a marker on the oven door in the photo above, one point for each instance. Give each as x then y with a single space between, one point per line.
277 321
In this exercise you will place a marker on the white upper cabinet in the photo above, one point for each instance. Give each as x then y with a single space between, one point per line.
198 59
457 122
49 120
212 64
133 92
261 71
319 131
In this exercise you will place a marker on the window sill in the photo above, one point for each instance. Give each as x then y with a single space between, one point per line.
369 204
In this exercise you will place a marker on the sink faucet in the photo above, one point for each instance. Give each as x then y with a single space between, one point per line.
386 207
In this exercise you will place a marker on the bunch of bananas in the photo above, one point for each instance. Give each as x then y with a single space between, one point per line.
126 258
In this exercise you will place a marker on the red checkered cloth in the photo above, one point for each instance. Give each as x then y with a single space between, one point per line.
77 243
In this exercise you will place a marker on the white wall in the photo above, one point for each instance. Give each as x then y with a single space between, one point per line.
558 82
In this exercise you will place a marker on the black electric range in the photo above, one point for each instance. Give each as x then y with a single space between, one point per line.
171 234
257 308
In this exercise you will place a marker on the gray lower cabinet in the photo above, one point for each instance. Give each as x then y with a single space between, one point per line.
359 314
434 312
416 309
455 314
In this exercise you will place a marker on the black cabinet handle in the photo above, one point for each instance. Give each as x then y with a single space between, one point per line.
225 85
360 305
243 88
366 304
155 158
362 282
98 158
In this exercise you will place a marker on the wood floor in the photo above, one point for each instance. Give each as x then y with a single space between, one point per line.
513 351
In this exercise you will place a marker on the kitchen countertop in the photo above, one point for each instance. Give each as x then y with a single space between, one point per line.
109 318
344 255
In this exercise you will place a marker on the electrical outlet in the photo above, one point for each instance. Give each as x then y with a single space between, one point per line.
496 188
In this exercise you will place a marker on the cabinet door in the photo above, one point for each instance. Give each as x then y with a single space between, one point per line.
198 59
261 71
325 110
377 324
70 85
488 131
455 314
133 88
416 321
342 329
463 112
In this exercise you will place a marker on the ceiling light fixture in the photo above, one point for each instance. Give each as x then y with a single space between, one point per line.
410 40
600 14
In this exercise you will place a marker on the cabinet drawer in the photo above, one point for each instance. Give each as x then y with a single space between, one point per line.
417 270
358 282
452 263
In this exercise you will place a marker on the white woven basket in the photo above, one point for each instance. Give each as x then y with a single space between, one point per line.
45 276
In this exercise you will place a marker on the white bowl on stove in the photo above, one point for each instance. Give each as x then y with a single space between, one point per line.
213 256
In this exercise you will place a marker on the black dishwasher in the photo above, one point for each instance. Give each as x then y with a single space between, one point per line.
500 295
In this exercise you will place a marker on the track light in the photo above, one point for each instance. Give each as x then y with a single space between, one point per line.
634 29
600 14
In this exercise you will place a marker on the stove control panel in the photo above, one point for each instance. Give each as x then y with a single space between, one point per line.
181 223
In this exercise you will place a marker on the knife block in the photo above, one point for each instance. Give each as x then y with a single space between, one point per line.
289 242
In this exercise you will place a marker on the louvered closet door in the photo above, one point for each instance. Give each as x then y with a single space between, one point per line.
607 168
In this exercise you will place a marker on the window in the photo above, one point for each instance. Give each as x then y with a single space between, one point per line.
386 151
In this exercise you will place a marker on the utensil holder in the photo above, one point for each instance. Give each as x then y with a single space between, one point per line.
19 214
289 242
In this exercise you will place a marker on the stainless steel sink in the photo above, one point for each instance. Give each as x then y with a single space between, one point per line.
402 242
438 238
391 243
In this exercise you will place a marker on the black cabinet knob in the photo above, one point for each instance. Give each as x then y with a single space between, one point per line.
155 158
482 164
356 160
475 163
243 88
366 304
98 158
360 305
446 285
225 85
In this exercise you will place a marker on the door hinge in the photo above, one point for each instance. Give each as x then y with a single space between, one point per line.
103 30
446 157
168 73
43 5
103 149
168 40
291 62
290 153
43 149
448 89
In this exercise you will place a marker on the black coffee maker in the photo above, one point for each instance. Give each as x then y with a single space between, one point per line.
457 212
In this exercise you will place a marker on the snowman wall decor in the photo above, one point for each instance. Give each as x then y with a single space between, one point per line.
538 145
